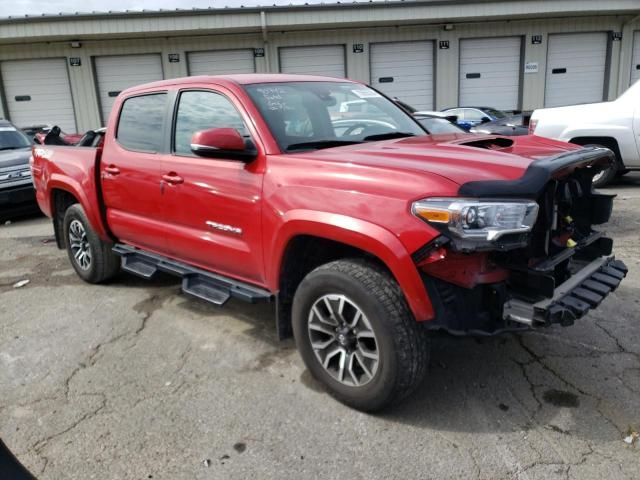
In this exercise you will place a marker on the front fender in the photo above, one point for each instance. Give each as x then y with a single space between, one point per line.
357 233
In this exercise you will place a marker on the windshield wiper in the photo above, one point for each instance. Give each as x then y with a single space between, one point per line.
389 135
321 144
10 148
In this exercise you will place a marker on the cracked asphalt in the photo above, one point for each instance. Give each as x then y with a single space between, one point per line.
133 380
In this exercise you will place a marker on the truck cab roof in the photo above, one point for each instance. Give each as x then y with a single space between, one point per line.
238 79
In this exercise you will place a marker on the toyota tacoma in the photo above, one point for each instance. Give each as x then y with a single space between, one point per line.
366 231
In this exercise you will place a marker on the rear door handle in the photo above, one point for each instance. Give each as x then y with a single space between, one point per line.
172 178
112 170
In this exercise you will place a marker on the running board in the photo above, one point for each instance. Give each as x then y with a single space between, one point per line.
204 285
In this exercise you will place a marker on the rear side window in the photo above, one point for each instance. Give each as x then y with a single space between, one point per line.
141 122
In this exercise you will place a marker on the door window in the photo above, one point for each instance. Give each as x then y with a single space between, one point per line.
202 111
458 112
141 122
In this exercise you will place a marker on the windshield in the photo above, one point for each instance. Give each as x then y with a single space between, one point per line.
439 125
11 139
312 115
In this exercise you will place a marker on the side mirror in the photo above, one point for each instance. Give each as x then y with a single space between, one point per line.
485 120
225 143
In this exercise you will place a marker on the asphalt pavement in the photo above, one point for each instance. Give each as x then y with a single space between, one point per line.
134 380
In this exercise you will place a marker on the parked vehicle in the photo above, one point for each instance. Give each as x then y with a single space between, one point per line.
16 188
469 117
438 124
614 125
40 133
517 124
366 237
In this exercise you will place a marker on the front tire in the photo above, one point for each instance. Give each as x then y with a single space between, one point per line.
92 258
606 176
357 335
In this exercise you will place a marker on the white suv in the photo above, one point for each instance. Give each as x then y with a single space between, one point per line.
615 125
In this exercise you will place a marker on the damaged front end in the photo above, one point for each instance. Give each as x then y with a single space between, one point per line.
522 253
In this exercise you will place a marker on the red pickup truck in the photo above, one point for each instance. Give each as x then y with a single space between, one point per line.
366 231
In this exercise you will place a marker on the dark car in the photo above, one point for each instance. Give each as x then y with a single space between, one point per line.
436 124
517 124
469 117
16 188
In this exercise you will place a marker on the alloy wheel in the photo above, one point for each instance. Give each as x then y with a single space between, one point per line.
79 244
342 340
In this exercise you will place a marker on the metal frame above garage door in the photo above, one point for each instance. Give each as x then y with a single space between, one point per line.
518 73
551 68
52 90
223 71
340 45
401 64
104 116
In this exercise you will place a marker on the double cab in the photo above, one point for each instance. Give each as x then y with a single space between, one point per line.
365 230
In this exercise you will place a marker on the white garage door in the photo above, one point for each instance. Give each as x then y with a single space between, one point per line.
221 62
117 73
404 70
490 72
635 61
575 68
325 60
33 98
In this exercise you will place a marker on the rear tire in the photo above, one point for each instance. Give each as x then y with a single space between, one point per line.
356 316
92 258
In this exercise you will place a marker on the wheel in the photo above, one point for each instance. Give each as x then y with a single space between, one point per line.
92 258
607 175
357 336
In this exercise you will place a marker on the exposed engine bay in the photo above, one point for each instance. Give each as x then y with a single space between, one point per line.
551 275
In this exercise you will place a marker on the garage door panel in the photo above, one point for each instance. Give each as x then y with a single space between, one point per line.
578 61
325 60
410 66
221 62
119 72
50 95
490 72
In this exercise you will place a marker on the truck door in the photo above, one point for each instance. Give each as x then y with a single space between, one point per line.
212 206
130 172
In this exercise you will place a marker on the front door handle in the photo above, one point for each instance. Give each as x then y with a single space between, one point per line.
112 170
172 178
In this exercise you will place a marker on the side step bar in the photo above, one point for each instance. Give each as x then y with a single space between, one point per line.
204 285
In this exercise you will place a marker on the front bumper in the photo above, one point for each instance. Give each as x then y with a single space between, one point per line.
16 195
18 199
572 299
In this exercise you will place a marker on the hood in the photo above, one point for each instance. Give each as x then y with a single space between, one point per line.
12 158
577 111
460 158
